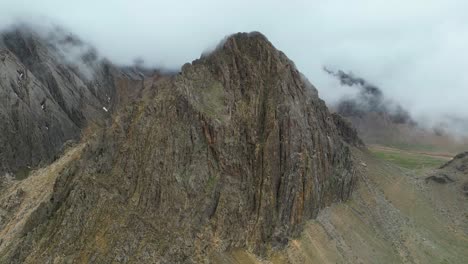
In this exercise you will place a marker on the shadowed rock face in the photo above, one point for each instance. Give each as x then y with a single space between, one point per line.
43 100
237 150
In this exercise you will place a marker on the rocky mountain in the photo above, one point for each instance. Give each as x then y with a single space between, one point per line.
52 85
234 159
235 151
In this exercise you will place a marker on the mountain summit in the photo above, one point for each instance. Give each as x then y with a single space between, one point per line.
235 151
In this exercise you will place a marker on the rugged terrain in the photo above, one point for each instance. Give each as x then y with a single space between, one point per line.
235 151
52 86
235 159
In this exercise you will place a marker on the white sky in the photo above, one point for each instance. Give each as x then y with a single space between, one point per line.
416 51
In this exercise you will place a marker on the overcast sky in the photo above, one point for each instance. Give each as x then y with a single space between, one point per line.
416 51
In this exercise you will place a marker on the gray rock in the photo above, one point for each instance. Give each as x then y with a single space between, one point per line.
44 99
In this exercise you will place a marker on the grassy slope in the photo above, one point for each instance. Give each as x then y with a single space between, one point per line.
393 217
409 159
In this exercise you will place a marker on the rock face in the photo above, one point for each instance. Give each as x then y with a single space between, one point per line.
237 150
44 100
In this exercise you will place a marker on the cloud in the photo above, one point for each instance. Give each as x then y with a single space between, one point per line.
415 51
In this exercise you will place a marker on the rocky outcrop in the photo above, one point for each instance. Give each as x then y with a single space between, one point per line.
453 173
459 162
442 179
237 150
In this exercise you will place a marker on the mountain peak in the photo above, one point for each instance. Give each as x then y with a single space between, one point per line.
243 44
248 42
251 37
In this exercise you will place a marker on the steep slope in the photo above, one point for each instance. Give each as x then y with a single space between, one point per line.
46 96
236 151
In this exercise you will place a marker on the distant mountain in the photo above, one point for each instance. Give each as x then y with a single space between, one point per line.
380 120
369 99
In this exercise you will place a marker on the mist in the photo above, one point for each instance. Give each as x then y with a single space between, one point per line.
415 52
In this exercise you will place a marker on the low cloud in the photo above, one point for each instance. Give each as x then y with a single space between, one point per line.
415 51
